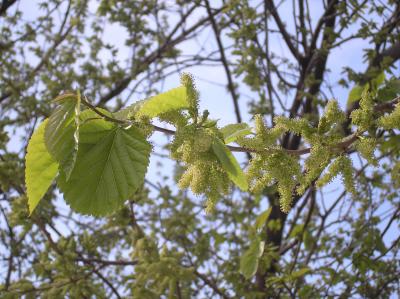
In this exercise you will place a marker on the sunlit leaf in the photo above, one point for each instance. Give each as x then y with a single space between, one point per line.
40 168
233 131
355 94
171 100
300 273
110 166
62 131
230 164
249 260
262 218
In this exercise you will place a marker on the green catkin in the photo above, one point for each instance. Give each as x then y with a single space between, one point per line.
347 173
366 147
186 178
175 118
200 178
262 182
218 179
277 167
253 143
297 126
254 168
192 95
392 120
363 117
268 137
218 184
202 141
260 127
333 171
264 139
204 175
210 203
192 145
317 161
270 165
286 198
332 115
187 151
343 165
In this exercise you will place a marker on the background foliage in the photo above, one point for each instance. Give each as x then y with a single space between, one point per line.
162 243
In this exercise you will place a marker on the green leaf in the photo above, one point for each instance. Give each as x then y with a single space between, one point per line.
233 131
355 94
174 99
300 273
390 91
260 221
378 80
249 260
230 164
297 230
62 131
110 166
308 239
40 168
129 111
392 143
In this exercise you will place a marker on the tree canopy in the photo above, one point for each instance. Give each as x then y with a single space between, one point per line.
114 185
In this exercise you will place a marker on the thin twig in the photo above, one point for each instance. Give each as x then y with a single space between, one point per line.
231 86
341 146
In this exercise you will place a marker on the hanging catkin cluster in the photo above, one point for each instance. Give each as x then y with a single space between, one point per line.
192 146
271 164
363 118
392 120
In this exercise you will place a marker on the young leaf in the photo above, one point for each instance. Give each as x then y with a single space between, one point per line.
249 260
62 131
76 135
389 91
378 80
260 221
129 111
300 273
40 168
355 94
230 164
110 166
297 230
174 99
233 131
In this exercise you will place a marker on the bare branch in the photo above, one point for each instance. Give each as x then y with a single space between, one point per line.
231 86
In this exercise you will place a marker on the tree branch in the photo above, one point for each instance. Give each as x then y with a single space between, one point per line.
156 54
6 4
271 7
231 86
341 146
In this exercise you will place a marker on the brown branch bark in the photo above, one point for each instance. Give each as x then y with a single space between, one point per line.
286 36
5 5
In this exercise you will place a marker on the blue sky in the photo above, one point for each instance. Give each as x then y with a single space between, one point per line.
214 96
